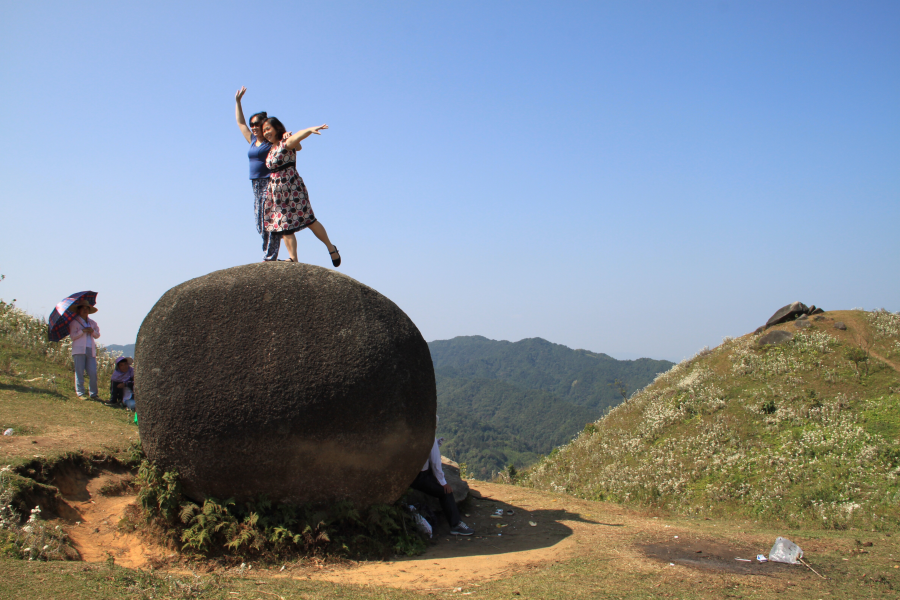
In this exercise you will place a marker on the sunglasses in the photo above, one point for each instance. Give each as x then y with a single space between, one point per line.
256 124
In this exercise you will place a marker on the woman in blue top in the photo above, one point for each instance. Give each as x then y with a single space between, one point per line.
259 173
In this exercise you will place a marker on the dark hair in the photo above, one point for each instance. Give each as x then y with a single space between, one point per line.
277 126
262 116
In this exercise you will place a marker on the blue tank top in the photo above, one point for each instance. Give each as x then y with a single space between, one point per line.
258 154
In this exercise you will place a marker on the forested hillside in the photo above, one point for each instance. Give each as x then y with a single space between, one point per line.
503 403
578 376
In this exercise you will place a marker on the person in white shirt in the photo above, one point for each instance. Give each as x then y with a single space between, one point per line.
431 481
83 330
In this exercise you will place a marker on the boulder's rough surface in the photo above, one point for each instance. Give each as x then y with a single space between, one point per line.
775 337
787 313
802 323
840 325
287 380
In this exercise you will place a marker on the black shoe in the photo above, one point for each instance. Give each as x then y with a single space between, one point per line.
335 261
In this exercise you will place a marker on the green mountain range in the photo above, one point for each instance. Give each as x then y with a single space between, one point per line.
507 403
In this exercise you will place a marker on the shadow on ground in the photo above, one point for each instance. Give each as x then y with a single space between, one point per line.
511 532
24 389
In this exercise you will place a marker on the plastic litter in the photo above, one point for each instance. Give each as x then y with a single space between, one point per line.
423 525
785 551
532 523
8 431
509 511
762 558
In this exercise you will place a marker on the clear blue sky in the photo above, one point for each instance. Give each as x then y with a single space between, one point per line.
635 178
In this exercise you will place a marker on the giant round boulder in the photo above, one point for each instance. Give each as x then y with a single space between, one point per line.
284 380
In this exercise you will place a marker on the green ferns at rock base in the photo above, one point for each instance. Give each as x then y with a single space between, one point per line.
266 530
796 432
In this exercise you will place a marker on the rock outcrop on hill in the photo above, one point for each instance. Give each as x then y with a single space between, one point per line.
284 380
790 312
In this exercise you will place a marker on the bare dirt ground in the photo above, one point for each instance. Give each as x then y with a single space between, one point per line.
564 528
92 521
57 439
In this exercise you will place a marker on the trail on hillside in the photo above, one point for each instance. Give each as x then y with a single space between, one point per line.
565 527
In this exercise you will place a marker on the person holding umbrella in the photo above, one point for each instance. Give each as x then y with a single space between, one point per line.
70 318
83 330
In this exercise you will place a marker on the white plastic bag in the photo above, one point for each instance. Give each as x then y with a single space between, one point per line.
785 551
423 525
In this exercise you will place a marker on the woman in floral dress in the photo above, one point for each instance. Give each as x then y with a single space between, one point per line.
287 208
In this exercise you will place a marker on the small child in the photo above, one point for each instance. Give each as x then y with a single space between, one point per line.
121 385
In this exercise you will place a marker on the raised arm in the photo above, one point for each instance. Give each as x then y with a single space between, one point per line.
293 142
239 115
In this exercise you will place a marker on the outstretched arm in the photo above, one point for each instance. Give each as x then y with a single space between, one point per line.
293 142
239 115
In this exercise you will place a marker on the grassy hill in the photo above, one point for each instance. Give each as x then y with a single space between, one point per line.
578 548
504 403
38 400
803 432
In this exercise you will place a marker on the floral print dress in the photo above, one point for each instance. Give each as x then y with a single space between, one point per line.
287 206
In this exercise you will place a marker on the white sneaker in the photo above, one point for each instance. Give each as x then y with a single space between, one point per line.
461 529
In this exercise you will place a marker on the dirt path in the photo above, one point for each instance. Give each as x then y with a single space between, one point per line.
564 527
889 363
93 521
500 546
